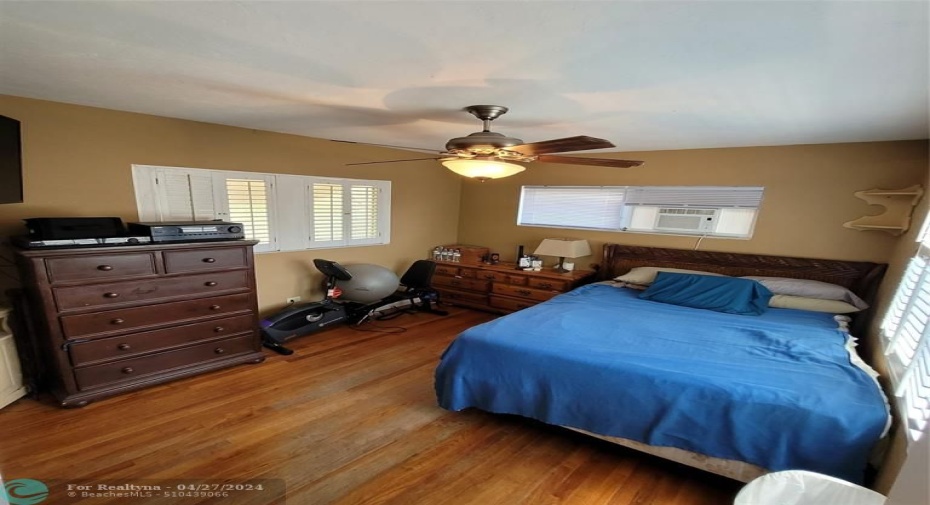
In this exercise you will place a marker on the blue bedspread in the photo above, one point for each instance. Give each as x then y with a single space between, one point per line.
776 390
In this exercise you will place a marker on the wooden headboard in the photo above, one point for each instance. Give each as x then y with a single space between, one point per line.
860 277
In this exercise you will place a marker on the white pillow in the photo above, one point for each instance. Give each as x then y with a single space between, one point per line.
812 304
645 276
810 289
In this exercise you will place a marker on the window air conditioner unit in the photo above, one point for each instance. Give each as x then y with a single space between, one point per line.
686 219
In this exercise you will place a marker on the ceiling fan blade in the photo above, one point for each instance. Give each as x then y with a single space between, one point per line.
387 145
598 162
393 161
579 143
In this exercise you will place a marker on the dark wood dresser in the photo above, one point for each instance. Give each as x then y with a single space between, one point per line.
115 319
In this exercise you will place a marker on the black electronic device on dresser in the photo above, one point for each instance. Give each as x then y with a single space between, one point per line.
57 232
188 231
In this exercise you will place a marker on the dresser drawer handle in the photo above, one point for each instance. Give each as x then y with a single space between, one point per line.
124 347
455 283
117 321
488 276
545 285
209 260
209 284
214 307
524 292
219 350
110 295
105 268
127 370
218 329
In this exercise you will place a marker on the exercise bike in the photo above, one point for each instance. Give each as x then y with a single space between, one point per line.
307 318
312 317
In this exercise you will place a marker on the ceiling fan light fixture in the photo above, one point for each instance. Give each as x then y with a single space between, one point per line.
483 169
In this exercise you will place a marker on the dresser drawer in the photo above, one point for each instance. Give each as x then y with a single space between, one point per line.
96 295
446 270
219 258
463 297
111 322
139 367
522 292
551 284
459 283
100 267
502 302
490 275
109 349
515 280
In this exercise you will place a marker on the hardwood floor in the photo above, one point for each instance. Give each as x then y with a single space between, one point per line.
350 418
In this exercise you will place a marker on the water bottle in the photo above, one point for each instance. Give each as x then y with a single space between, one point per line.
437 253
457 256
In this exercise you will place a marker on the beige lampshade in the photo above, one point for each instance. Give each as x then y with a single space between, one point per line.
483 169
563 248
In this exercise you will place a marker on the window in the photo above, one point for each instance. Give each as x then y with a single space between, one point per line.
906 338
694 210
345 212
281 212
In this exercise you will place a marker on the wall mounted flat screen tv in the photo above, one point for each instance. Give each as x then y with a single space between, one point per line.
11 161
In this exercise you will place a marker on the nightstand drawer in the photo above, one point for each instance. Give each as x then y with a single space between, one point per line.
142 366
109 349
522 292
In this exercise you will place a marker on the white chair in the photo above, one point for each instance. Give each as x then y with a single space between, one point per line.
800 487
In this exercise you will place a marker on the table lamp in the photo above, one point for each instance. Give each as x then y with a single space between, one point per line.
563 248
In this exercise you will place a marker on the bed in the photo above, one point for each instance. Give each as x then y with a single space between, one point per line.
731 394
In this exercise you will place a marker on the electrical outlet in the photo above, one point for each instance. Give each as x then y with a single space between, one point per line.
292 300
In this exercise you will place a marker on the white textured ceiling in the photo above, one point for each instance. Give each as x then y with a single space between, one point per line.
645 75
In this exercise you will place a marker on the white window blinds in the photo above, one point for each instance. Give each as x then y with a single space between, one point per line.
598 208
906 335
703 196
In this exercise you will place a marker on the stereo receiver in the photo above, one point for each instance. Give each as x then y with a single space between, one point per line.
188 231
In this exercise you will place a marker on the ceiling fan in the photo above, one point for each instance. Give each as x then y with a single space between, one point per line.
490 155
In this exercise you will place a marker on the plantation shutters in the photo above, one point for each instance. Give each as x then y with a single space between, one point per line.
348 213
282 212
906 338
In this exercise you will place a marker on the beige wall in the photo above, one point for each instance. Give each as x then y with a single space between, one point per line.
808 196
77 163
